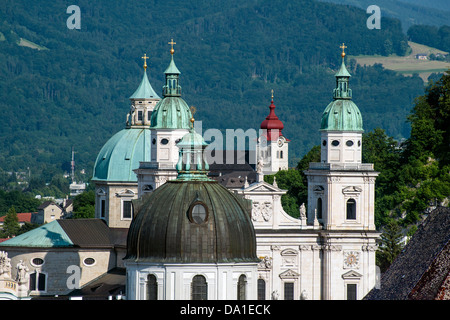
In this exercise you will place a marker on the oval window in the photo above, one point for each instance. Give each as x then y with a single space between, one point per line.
154 141
198 213
89 261
359 143
164 141
349 143
324 143
335 143
37 261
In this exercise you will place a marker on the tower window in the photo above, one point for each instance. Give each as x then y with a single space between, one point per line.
335 143
261 289
288 291
127 210
319 208
102 208
351 291
324 143
152 287
164 141
242 283
139 115
349 143
351 209
199 288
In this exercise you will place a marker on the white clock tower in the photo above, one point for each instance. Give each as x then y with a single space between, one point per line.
341 197
273 147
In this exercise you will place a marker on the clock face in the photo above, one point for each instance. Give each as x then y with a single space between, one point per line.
280 142
351 259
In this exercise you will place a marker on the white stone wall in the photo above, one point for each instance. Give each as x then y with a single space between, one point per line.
174 280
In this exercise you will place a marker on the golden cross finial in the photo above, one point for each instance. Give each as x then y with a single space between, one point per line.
272 94
343 46
145 60
172 43
193 110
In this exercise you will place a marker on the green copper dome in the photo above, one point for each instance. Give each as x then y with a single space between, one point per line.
172 112
342 114
122 154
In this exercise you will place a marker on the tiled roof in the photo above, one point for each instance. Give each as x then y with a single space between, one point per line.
420 270
23 217
84 233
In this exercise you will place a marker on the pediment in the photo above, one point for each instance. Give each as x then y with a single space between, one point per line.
289 274
263 187
288 252
352 189
352 274
126 193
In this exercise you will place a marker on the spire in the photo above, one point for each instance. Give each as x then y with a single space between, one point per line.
145 90
172 88
272 123
342 90
192 164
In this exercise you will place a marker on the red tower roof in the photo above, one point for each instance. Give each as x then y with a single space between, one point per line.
272 123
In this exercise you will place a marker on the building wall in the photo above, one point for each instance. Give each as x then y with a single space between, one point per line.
57 262
174 280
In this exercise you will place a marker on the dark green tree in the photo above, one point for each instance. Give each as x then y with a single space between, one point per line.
84 205
391 245
11 224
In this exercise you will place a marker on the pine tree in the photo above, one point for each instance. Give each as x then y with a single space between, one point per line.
11 225
391 245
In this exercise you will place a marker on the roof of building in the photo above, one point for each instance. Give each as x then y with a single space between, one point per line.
108 284
121 154
23 217
272 123
145 90
82 233
421 269
192 219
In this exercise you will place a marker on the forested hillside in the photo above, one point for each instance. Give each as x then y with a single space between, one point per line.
72 88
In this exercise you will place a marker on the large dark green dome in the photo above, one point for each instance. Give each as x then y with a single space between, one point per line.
167 229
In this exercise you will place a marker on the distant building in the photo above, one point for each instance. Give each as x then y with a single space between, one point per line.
421 56
49 211
23 218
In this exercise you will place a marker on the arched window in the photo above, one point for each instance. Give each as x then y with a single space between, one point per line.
242 283
152 287
319 208
199 288
38 281
351 209
261 289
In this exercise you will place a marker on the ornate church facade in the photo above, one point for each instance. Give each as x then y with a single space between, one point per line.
328 253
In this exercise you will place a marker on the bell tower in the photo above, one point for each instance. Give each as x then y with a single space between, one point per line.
341 197
273 147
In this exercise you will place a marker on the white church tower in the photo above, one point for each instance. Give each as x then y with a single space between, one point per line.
273 147
170 121
341 196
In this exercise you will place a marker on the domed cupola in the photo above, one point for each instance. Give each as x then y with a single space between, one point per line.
341 125
192 219
172 112
342 114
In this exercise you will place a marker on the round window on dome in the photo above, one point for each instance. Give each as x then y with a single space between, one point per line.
198 213
335 143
